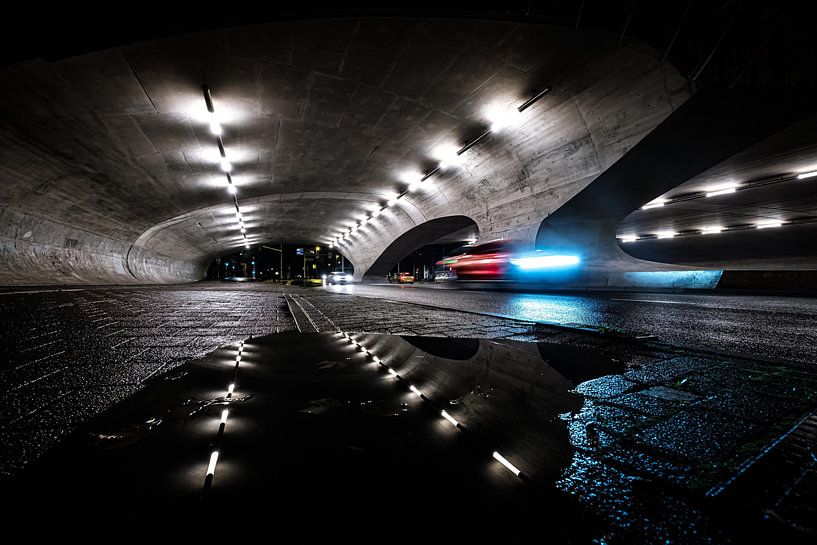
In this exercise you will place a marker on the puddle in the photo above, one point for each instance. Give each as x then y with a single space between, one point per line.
328 365
381 407
633 446
322 406
124 436
196 406
129 435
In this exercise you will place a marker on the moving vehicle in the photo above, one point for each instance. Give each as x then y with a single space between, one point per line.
338 277
402 278
443 273
504 260
486 261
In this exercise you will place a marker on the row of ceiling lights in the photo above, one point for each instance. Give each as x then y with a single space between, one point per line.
715 191
226 167
500 118
727 188
707 230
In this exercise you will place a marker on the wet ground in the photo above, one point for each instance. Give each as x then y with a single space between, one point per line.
67 354
763 326
622 439
342 436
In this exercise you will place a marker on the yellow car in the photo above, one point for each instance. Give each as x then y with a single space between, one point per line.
402 278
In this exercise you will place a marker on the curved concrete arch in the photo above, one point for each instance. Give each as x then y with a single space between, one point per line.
413 239
208 232
511 181
708 129
107 163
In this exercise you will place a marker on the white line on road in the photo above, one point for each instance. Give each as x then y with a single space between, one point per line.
654 301
662 302
37 291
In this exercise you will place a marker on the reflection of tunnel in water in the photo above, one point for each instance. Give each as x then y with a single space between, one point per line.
578 364
326 412
451 349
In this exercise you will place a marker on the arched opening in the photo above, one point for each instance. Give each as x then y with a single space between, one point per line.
441 231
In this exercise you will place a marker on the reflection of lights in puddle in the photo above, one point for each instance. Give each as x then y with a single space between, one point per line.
228 399
502 460
383 408
211 467
199 406
450 418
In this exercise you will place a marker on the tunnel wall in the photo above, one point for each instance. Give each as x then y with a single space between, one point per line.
35 250
61 223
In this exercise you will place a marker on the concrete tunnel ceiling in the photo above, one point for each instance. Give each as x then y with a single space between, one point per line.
755 210
111 173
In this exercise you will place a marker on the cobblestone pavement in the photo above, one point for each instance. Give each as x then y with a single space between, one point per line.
330 312
764 326
683 420
68 355
669 417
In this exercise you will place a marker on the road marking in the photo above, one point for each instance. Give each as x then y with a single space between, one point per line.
689 304
37 291
654 301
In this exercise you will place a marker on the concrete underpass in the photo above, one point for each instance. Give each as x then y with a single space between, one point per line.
427 272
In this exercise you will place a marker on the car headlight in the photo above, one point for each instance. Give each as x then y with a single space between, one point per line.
348 277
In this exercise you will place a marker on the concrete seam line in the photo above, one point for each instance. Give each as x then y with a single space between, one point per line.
292 304
126 261
319 311
292 312
308 317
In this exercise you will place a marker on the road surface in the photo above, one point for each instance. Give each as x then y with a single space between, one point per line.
768 326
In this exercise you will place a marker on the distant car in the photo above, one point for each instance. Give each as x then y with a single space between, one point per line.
338 277
443 271
239 279
445 276
402 278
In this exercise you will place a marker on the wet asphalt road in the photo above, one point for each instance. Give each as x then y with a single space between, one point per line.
765 326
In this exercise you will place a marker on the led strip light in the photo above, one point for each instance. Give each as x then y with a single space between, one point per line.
714 229
415 182
728 188
226 167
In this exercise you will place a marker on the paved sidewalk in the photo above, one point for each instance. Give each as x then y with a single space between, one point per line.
68 355
679 417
